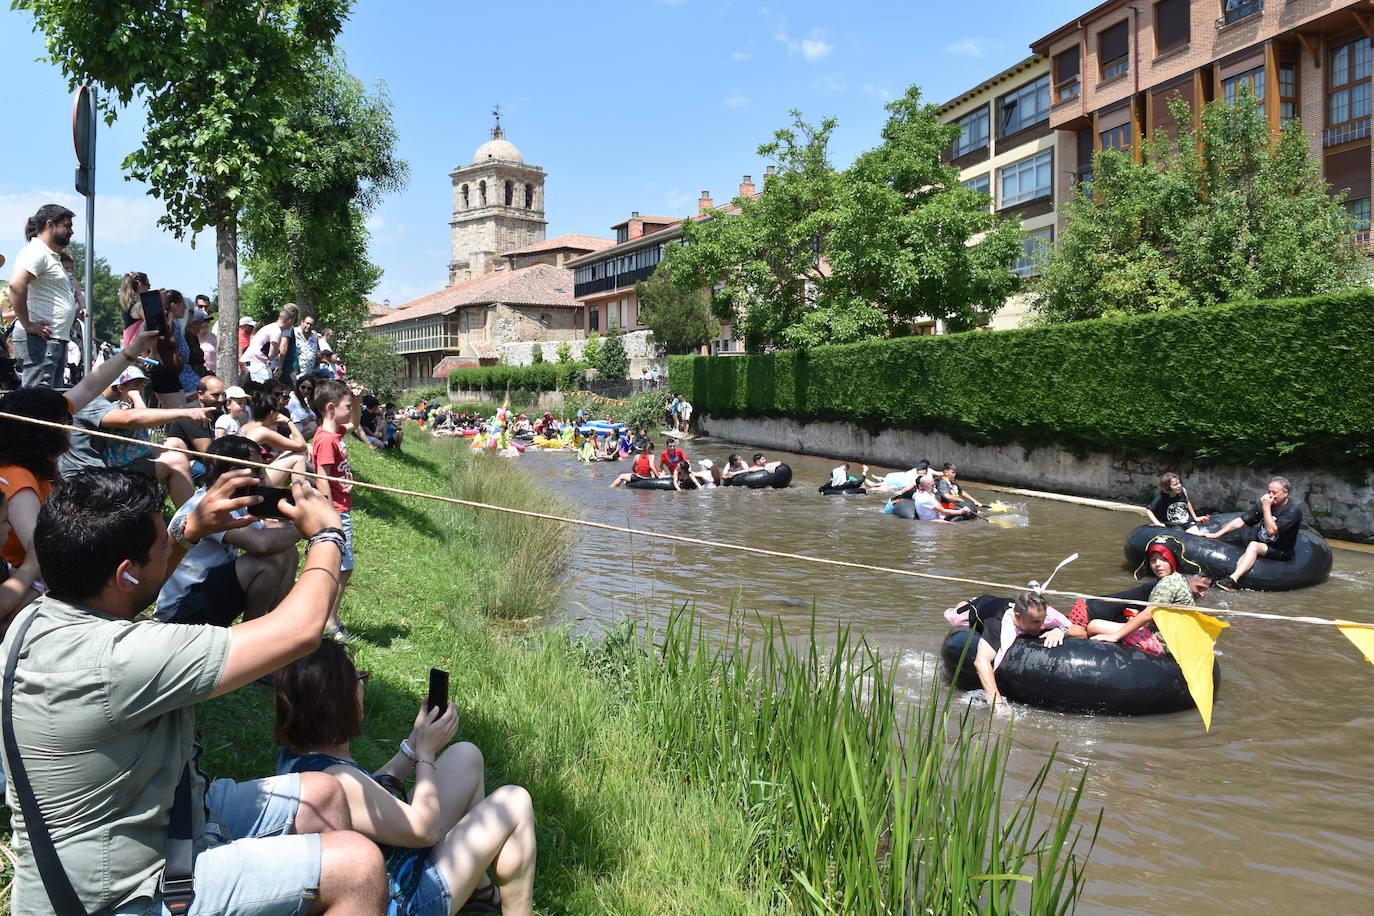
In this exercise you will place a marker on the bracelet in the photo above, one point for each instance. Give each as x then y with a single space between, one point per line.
320 569
330 538
407 750
338 531
429 763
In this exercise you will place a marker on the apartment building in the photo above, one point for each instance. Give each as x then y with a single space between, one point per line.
1115 69
1007 150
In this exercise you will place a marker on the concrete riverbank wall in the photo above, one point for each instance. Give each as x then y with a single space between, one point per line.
1335 505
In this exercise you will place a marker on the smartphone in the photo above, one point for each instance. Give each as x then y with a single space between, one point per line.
154 319
271 498
438 689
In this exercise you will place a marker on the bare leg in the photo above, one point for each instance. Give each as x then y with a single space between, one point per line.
500 831
352 876
323 806
283 467
265 580
1253 551
174 470
334 621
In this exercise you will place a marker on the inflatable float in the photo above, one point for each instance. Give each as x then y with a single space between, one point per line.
849 486
906 508
1311 563
656 483
778 478
1082 675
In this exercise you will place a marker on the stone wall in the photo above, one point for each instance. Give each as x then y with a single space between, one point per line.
521 352
1337 506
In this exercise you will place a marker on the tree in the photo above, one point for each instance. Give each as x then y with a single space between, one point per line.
564 352
911 241
612 362
680 318
764 264
372 361
537 355
103 296
305 237
591 350
217 80
1221 214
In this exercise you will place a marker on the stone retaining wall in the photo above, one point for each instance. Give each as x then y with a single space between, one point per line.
1337 506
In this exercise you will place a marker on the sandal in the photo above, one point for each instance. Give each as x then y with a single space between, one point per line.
485 899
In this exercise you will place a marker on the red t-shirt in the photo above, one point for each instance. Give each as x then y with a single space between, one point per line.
671 457
329 457
644 466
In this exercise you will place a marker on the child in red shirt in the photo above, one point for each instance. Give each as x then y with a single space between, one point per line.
339 410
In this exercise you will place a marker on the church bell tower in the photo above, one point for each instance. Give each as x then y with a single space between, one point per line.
498 206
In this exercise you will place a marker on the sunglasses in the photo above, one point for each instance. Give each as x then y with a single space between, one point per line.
364 676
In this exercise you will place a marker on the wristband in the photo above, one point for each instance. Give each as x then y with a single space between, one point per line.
335 531
328 539
407 750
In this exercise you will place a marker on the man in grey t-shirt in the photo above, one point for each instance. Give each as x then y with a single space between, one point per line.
104 716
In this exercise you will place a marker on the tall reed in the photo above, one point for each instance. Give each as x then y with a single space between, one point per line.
857 803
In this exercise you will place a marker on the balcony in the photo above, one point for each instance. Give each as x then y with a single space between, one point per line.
1236 10
612 282
1346 132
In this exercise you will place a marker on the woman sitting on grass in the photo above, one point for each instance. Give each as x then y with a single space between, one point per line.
440 843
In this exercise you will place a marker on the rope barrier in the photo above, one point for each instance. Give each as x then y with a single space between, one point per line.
682 539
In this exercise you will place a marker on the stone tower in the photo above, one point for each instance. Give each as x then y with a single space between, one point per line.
498 206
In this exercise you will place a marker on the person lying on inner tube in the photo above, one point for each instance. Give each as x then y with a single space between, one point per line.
1164 555
899 481
763 464
642 469
733 465
1277 523
928 505
998 622
841 476
949 492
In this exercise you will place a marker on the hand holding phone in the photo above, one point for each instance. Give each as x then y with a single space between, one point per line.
154 319
437 698
270 507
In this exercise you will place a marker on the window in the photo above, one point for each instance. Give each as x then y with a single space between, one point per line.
1347 99
1288 94
482 192
1034 246
1252 78
979 184
593 319
1026 106
529 197
1066 84
1236 10
974 132
1171 25
1112 51
1027 179
622 234
510 193
465 197
1118 138
1359 215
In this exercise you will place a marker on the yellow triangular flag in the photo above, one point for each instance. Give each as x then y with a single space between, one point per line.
1362 637
1192 639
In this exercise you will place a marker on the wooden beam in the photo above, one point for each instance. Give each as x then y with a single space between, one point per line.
1313 49
1366 22
1272 103
1135 128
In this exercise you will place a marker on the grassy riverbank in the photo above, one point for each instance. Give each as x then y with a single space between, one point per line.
671 772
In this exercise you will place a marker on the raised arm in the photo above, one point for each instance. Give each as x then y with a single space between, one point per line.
149 417
104 375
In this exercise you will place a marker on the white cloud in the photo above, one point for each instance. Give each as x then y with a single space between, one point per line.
815 49
878 92
736 99
966 47
375 223
741 55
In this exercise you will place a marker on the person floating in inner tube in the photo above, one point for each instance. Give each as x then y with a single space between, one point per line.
733 465
929 508
949 492
1166 562
705 474
1171 507
763 464
998 622
642 469
899 481
1277 522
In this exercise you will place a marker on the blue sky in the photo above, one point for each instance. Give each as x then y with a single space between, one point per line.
634 105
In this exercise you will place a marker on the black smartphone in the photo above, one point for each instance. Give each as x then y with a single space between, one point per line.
154 319
438 689
271 498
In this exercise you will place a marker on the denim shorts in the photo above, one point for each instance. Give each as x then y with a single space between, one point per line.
262 871
432 897
346 562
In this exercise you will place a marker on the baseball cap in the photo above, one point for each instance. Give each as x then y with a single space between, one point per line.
131 374
707 463
246 322
234 392
200 315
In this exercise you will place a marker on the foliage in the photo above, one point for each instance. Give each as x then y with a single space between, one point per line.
638 411
372 361
564 376
611 361
1251 383
680 317
103 296
591 349
431 393
216 80
823 256
563 351
1222 214
537 354
305 237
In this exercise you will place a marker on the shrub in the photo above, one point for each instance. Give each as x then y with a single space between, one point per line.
541 377
612 362
537 354
563 351
1248 383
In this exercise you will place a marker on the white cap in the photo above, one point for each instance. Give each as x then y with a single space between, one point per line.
246 322
706 463
131 374
235 393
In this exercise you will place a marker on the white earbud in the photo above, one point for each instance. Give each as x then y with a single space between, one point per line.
130 578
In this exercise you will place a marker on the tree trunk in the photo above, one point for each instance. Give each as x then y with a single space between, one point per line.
227 275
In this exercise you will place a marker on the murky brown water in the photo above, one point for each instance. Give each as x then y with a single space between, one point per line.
1272 811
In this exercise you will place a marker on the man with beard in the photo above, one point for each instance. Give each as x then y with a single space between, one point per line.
42 298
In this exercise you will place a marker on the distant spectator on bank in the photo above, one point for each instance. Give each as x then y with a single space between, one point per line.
42 299
264 354
121 409
104 720
338 409
168 379
1171 507
198 434
301 406
131 288
245 571
197 324
307 346
69 265
230 423
209 338
247 328
1276 522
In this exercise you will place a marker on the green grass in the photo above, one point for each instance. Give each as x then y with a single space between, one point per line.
672 771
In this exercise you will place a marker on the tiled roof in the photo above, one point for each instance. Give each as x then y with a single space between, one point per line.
376 309
449 363
571 240
539 284
486 351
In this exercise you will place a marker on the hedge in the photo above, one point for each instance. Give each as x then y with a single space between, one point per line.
1243 383
568 376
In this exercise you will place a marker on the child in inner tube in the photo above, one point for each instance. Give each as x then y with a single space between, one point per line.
733 465
1162 557
762 464
998 622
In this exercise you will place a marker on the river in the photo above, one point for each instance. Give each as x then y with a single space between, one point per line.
1270 811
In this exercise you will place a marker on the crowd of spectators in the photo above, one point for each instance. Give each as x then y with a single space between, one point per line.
109 807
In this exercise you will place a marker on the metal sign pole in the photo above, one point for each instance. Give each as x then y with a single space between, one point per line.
88 337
